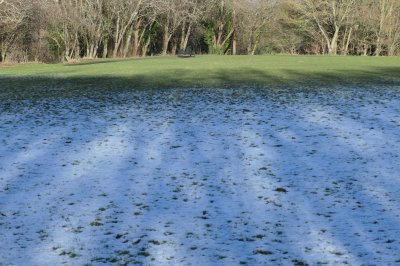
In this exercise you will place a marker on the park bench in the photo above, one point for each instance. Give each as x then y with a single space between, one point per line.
188 52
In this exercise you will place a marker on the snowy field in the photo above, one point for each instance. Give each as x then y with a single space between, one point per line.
202 177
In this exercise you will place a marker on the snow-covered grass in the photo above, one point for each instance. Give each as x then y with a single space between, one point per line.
202 177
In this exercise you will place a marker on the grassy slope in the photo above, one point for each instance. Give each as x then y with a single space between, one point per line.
222 71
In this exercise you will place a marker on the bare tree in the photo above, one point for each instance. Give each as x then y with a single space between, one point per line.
13 15
194 10
46 30
171 16
393 32
220 25
95 26
385 13
254 17
122 13
329 16
67 21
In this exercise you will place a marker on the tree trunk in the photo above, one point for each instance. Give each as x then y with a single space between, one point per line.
334 42
166 39
68 56
346 41
183 33
365 53
77 49
253 51
3 52
146 46
117 44
378 46
234 44
174 48
185 36
3 55
95 50
116 39
393 46
105 49
88 50
135 44
391 50
127 44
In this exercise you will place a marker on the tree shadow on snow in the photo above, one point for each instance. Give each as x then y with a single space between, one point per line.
203 176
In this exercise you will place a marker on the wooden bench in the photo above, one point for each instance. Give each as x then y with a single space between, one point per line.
185 53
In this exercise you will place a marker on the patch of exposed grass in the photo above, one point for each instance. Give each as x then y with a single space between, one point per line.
262 252
202 71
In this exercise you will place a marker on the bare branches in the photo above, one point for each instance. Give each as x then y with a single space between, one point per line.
71 29
329 16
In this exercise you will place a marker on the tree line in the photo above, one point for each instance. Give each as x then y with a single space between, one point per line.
66 30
